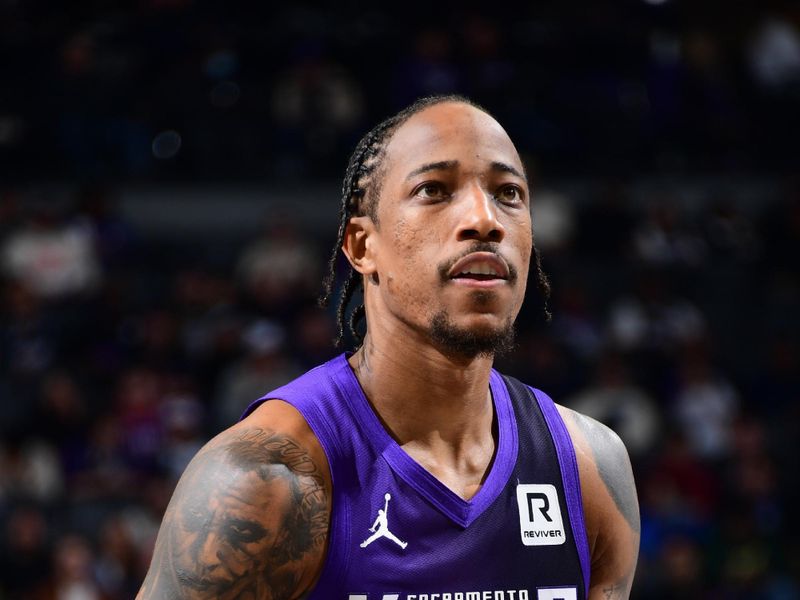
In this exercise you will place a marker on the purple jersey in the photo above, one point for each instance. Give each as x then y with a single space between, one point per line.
397 533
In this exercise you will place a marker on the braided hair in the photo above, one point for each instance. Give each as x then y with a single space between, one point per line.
360 192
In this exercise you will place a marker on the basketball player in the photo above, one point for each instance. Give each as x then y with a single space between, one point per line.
410 469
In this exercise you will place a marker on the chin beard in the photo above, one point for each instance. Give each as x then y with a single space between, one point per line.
469 343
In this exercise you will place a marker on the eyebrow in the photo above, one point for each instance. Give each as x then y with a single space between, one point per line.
505 168
447 165
442 165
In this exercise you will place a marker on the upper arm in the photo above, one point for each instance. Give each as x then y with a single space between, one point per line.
610 505
248 519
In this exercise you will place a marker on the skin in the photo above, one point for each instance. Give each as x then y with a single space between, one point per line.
244 523
249 517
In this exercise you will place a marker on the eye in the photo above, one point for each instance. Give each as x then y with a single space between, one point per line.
432 191
243 531
509 194
195 518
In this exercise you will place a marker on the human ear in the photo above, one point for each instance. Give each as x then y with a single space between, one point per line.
358 244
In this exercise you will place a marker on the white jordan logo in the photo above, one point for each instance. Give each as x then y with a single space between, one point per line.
381 527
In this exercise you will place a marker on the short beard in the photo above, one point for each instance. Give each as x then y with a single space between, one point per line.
468 343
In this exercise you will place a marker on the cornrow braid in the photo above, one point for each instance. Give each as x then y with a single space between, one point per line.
542 284
360 192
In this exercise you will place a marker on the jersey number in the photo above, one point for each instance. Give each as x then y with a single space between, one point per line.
562 593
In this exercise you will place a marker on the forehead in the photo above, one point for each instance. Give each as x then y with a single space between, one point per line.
450 131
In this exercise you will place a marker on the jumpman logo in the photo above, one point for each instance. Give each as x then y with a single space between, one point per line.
381 527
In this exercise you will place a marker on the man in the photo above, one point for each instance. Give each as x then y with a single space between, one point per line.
472 485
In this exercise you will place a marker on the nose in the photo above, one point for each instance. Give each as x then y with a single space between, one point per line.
479 217
203 549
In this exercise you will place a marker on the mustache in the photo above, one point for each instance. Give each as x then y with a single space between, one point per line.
492 247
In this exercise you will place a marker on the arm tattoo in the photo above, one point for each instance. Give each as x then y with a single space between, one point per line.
248 517
614 468
364 365
618 591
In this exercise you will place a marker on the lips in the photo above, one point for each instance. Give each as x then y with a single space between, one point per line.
480 266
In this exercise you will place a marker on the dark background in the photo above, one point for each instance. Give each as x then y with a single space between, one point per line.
169 176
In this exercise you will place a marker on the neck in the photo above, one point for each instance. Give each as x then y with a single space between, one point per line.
422 394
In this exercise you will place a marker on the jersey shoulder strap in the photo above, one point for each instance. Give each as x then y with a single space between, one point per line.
538 416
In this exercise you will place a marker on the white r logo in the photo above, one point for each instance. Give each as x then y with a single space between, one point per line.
540 521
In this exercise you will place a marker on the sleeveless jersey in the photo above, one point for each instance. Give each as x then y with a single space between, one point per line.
397 533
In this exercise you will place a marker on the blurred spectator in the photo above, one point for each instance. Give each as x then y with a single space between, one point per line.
773 57
155 339
30 336
51 256
316 105
29 469
114 239
103 471
313 331
554 222
679 493
706 406
29 346
574 325
613 399
182 419
116 566
211 323
139 397
730 235
264 368
24 553
654 319
774 53
63 417
546 364
278 268
664 239
73 575
683 573
753 477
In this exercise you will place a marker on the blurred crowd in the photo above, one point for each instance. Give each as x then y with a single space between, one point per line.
675 315
122 353
191 88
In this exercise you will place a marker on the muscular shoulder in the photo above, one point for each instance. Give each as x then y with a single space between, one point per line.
249 517
610 504
602 456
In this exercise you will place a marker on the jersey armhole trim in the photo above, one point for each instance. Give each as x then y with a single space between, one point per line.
569 475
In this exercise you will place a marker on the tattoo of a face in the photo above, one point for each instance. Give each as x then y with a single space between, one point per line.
247 513
614 467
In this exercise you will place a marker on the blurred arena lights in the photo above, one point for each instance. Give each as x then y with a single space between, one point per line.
166 144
